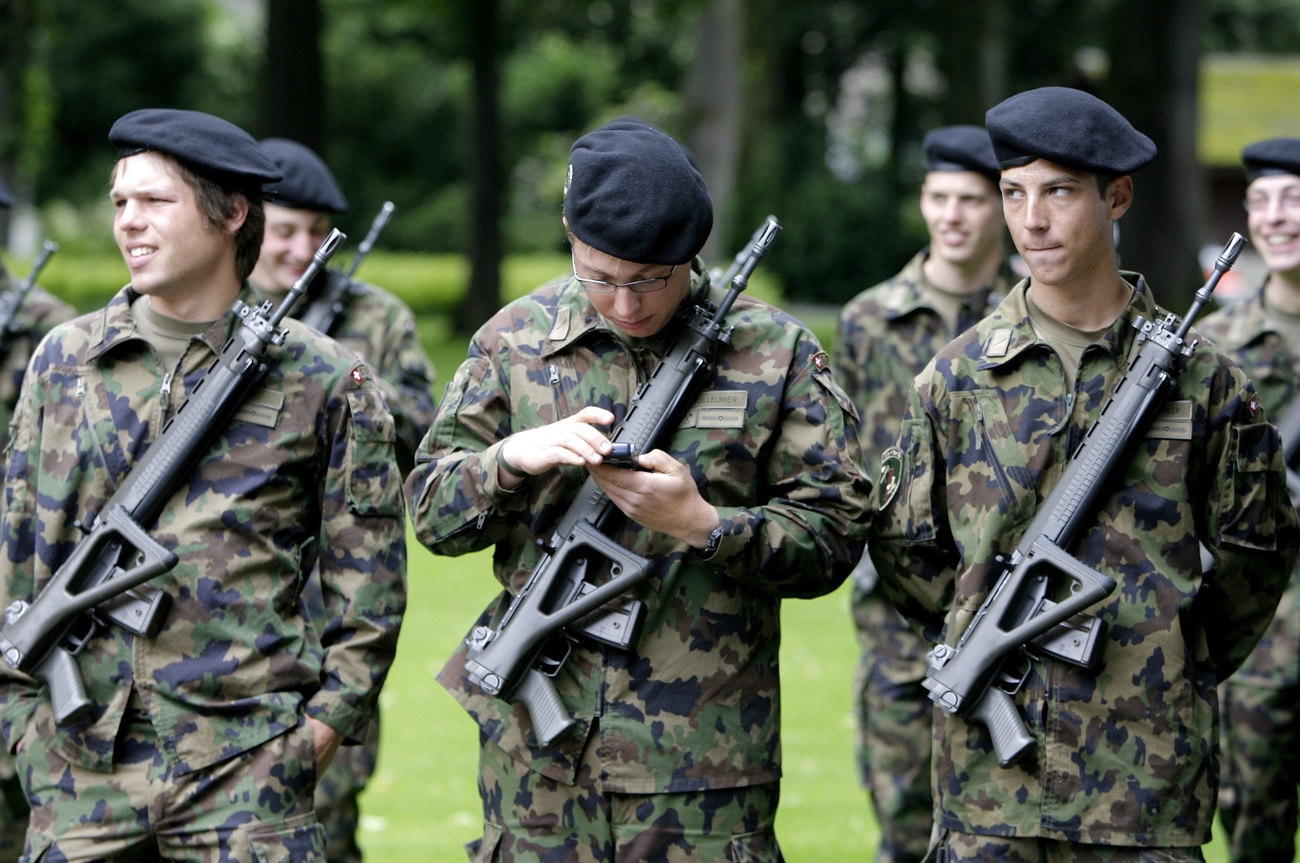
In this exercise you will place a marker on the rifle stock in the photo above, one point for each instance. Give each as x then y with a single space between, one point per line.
117 553
971 680
504 658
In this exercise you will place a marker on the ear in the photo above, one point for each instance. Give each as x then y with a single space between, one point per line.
239 213
1119 196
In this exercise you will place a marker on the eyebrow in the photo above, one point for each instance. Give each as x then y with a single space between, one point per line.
1050 181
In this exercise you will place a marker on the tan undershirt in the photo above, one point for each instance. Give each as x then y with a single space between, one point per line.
946 303
169 336
1068 342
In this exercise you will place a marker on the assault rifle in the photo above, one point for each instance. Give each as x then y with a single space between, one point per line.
117 553
324 312
508 659
11 300
974 679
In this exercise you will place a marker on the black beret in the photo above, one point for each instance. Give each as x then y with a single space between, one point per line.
208 145
634 193
1274 156
960 148
1068 127
6 199
307 183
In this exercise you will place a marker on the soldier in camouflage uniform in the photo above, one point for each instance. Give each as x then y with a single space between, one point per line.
886 335
204 742
38 314
1260 738
1125 764
380 329
760 497
375 324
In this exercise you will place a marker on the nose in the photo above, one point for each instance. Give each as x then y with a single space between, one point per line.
626 301
951 210
301 248
1035 214
128 216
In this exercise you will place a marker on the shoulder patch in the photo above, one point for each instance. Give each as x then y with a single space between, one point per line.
1254 405
821 361
891 475
358 375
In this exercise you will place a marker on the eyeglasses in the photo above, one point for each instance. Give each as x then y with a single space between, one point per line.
640 286
1288 201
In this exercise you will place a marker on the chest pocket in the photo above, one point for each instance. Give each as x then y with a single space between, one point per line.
989 471
1249 488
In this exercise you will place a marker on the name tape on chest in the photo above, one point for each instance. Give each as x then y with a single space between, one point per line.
262 408
718 409
1173 422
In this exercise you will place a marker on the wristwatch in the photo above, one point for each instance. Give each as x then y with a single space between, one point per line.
711 545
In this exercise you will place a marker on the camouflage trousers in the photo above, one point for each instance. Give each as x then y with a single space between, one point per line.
528 817
1260 752
969 848
338 793
253 808
13 810
895 728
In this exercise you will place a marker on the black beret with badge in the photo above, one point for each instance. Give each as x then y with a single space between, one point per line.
960 148
6 199
209 146
1068 127
307 183
634 193
1274 156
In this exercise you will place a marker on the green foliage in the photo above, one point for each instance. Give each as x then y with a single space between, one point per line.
1246 99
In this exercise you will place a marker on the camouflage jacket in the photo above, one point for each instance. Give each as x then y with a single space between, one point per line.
1125 756
771 442
1240 329
309 454
378 327
887 334
38 314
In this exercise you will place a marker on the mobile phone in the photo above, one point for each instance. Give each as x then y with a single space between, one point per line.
621 455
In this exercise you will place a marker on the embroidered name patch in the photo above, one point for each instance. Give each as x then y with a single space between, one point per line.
1173 422
718 409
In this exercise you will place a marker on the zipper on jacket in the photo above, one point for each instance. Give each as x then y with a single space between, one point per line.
165 392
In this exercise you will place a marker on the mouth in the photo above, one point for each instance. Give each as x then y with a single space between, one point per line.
139 254
1273 240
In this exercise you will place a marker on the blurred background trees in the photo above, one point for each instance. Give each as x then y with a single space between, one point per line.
462 111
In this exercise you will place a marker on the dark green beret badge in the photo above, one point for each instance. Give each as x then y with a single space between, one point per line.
891 475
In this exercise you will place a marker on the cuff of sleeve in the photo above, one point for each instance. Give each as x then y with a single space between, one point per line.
346 720
490 461
735 535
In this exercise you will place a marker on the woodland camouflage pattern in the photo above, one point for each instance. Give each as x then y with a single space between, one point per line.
1126 756
772 443
235 665
39 313
1261 701
887 334
379 328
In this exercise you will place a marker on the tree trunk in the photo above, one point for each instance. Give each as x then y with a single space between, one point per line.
485 252
973 57
293 103
713 115
1154 85
14 24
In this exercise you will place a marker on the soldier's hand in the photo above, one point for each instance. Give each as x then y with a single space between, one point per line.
327 743
572 441
662 496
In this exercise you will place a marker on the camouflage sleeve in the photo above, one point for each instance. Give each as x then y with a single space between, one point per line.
406 377
19 695
1252 529
363 557
848 362
804 537
909 541
454 483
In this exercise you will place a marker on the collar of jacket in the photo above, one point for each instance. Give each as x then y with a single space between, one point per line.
114 325
1007 333
903 296
576 319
